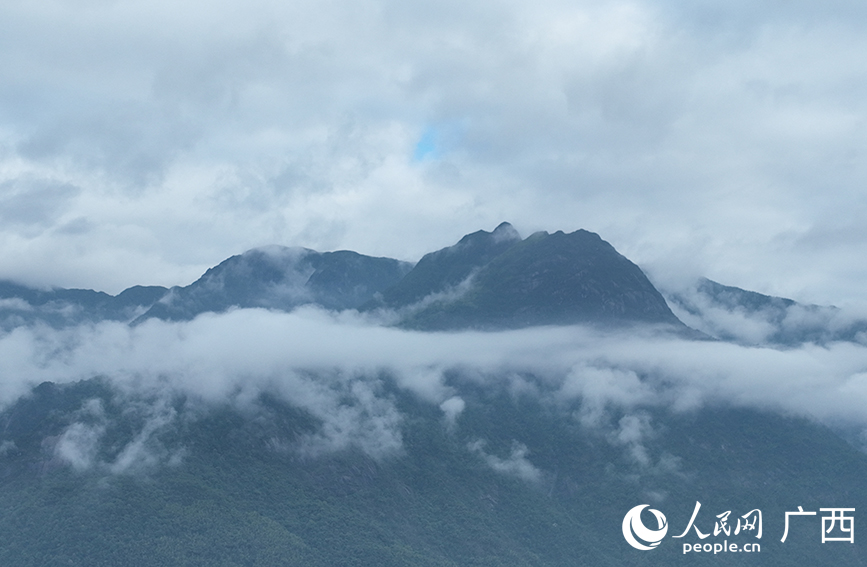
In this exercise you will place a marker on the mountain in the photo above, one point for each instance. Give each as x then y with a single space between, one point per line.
22 305
252 438
511 482
737 315
273 277
282 278
496 280
445 270
488 280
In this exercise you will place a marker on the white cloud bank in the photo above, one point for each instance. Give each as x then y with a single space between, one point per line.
332 367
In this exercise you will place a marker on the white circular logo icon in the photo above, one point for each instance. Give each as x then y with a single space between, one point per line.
637 534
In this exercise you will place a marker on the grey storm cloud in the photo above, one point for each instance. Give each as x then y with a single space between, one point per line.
714 138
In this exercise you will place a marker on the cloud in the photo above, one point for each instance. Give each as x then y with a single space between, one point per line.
33 204
516 464
146 143
341 370
632 431
727 323
753 319
716 139
78 444
145 452
15 304
7 447
452 409
351 412
601 387
82 444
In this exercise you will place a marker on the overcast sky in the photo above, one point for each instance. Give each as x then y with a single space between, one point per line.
143 141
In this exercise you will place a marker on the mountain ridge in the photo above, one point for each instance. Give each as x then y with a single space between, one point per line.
485 281
281 278
548 279
737 315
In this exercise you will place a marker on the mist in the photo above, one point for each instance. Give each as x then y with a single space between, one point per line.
334 367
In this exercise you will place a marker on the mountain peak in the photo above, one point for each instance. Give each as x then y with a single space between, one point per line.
496 280
276 252
448 267
505 232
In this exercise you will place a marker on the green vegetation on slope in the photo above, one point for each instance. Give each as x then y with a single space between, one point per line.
237 497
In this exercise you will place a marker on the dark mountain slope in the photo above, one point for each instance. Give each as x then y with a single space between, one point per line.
282 278
22 305
550 279
446 269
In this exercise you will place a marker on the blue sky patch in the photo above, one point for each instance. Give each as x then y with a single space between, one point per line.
426 147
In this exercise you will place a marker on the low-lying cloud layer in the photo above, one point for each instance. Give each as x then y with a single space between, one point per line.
332 367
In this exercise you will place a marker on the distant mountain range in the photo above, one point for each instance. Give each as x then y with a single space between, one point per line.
487 280
22 305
